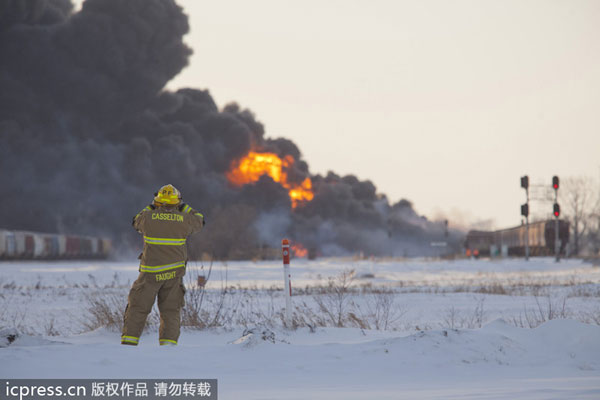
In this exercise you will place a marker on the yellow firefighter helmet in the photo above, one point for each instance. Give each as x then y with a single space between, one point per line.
167 194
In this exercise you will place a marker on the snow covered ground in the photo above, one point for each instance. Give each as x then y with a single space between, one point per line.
455 333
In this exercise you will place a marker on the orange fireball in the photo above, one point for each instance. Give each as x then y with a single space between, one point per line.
254 165
299 250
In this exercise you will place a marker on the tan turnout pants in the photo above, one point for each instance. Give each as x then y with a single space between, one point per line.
168 287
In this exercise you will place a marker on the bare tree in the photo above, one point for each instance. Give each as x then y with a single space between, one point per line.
580 200
594 235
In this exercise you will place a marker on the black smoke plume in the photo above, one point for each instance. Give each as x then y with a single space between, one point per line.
88 133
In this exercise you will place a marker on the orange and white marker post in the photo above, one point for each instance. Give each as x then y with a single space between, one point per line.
287 280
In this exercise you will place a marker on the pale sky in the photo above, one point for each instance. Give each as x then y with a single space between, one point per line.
445 103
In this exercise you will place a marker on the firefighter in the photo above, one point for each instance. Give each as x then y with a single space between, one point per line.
165 224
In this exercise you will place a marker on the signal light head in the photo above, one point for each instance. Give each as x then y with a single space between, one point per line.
556 210
555 182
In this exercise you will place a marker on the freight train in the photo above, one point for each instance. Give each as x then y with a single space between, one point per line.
15 245
541 239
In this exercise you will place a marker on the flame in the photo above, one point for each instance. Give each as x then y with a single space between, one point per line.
254 165
299 250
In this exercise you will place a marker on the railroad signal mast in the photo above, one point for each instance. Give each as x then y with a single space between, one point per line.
525 213
556 213
556 210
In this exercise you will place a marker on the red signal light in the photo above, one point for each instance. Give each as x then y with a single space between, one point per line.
556 210
555 182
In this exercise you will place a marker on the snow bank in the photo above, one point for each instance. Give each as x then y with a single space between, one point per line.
559 359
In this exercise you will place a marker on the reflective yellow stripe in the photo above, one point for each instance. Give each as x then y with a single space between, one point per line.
164 341
200 215
164 241
160 268
131 339
187 209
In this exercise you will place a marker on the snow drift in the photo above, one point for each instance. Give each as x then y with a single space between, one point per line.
559 359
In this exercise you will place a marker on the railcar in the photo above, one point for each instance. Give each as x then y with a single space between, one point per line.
73 247
52 246
541 239
85 247
9 244
39 245
32 245
3 242
20 246
106 247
